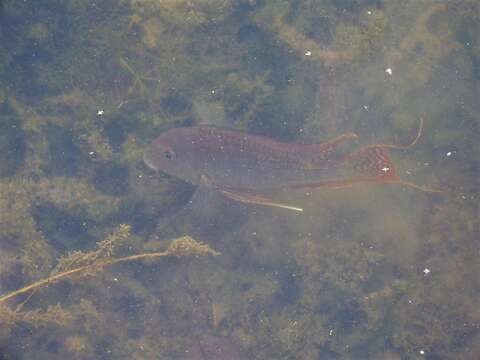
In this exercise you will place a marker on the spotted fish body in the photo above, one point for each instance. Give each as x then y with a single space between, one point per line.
238 160
242 166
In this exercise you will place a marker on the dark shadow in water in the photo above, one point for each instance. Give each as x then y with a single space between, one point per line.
207 216
64 152
65 231
12 143
112 179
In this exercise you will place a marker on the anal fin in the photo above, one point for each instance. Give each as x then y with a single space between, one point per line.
246 196
249 197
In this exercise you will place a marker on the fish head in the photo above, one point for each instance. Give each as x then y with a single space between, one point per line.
171 154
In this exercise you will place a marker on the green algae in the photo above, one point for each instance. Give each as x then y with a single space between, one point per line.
84 88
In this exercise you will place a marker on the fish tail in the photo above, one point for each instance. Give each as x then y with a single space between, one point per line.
367 164
371 163
407 146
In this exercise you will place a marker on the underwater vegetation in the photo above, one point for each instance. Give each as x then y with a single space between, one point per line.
88 267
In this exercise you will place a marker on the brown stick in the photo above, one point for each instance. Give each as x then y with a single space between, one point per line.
57 277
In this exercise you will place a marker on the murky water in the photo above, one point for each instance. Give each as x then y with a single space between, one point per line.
371 271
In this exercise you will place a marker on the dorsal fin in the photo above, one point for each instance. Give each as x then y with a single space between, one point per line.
318 155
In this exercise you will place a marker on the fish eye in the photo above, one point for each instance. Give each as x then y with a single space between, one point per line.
168 154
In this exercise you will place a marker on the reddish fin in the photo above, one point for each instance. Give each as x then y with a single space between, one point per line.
249 197
372 163
408 146
368 164
339 139
246 196
319 155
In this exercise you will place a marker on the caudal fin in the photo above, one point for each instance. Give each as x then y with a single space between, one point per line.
370 163
367 164
373 164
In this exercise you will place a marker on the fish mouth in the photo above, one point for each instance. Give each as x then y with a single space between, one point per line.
148 160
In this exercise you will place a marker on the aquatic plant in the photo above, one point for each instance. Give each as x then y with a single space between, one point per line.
79 264
349 42
75 267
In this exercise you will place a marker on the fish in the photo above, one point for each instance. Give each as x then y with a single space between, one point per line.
243 167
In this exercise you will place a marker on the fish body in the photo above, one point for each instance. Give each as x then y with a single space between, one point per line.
239 160
242 166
